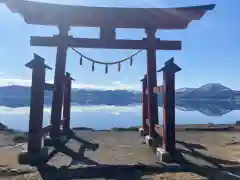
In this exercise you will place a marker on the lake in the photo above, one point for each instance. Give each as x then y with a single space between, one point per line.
105 117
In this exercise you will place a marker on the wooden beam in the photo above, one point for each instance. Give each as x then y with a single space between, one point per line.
49 87
158 89
98 43
47 129
107 33
160 18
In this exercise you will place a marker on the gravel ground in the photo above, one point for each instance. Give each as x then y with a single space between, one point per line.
123 155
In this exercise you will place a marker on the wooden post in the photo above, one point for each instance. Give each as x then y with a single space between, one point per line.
164 113
37 103
144 107
67 102
56 111
169 140
151 81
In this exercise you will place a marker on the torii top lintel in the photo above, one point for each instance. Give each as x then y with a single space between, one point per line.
54 14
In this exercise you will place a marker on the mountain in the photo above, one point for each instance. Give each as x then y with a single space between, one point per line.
208 108
183 92
109 97
208 91
17 96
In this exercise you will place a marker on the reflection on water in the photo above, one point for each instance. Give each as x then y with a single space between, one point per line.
209 108
105 117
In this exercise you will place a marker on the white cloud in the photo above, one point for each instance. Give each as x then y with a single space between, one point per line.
123 86
116 85
7 81
113 86
116 110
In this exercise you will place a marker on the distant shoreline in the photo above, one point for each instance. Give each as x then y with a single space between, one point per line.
179 127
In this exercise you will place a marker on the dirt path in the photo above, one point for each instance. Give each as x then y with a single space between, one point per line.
122 155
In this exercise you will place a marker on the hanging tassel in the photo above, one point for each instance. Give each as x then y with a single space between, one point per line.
131 61
81 60
106 69
93 66
119 67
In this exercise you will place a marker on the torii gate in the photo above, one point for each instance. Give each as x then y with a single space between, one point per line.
107 19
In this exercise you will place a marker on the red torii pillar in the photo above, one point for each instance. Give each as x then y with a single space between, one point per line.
169 141
56 111
67 102
144 130
35 152
151 83
37 103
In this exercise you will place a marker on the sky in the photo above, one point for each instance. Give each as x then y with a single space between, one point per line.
210 48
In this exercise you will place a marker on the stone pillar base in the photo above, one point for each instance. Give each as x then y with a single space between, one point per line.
163 155
33 157
149 140
141 131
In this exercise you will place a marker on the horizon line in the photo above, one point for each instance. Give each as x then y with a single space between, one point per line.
118 89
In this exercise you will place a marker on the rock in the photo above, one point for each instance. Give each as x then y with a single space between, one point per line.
211 124
3 127
20 138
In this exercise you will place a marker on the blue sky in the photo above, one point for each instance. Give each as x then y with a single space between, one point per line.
210 48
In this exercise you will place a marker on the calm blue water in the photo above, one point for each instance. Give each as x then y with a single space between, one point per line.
105 117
